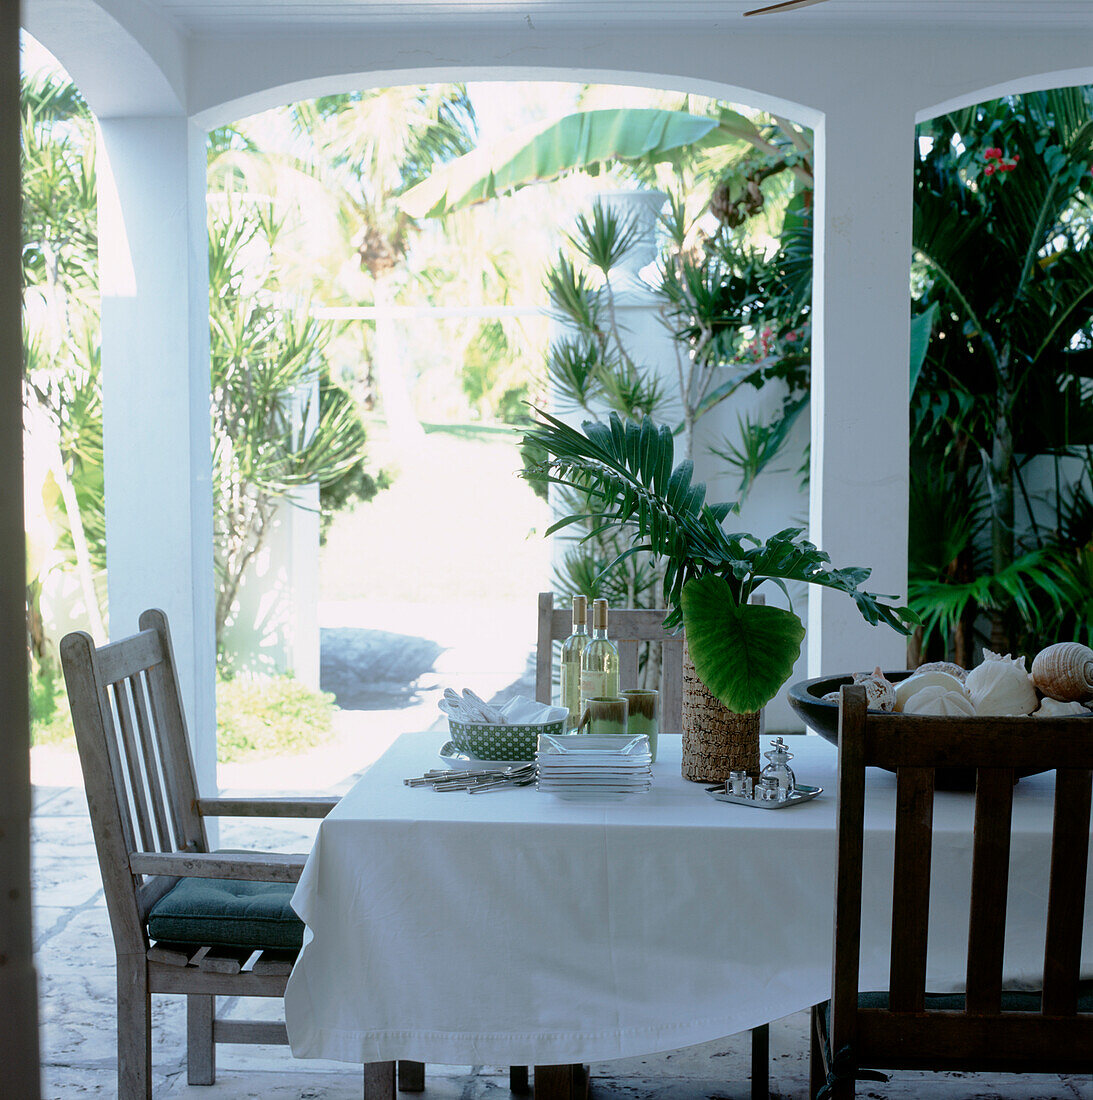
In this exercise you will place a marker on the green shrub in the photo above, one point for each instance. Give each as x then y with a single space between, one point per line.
270 716
262 716
50 722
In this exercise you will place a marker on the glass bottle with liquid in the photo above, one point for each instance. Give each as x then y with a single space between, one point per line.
599 661
572 648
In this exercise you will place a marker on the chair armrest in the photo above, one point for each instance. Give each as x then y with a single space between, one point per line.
266 807
248 866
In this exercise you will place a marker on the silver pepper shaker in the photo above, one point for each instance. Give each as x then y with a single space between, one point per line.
737 780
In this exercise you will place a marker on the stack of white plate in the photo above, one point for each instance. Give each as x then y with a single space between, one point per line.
593 767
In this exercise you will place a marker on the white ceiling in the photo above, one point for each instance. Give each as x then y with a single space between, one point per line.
203 17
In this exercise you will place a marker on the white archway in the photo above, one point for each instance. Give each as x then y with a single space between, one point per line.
861 92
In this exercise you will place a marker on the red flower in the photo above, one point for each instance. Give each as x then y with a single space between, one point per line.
993 153
1006 167
989 170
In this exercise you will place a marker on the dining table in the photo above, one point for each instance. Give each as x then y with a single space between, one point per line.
512 927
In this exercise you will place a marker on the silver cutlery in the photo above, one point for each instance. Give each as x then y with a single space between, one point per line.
473 780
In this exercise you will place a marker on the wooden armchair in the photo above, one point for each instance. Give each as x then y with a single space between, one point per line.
984 1029
184 919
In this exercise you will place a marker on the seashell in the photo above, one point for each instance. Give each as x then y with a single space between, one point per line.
936 699
1001 686
832 697
879 692
1054 708
935 678
943 666
1064 671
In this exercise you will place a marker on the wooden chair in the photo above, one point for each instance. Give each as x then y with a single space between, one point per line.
157 871
985 1029
628 628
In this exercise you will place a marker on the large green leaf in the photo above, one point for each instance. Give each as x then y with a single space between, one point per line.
543 152
921 329
742 652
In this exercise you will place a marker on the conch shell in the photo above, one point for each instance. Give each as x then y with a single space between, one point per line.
943 666
1001 686
936 699
879 692
1053 708
1064 671
905 689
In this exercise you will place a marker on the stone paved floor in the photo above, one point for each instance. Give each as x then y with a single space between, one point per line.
76 981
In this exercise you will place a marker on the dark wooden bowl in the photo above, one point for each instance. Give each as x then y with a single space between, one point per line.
806 699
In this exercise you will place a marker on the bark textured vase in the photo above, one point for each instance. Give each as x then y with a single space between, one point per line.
716 740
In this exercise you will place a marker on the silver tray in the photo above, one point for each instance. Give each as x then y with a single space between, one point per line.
801 793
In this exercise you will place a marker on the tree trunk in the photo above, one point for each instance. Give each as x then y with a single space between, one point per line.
1000 482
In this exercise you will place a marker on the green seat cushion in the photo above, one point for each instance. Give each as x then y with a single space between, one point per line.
227 913
1012 1000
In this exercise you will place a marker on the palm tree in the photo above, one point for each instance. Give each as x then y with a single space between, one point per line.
367 148
61 329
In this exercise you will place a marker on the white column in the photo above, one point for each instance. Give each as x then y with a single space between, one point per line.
155 353
861 328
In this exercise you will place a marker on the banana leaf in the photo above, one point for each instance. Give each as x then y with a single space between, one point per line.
545 151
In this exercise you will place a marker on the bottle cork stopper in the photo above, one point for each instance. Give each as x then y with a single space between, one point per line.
599 614
580 610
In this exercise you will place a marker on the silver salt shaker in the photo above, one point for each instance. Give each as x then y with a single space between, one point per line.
767 789
737 780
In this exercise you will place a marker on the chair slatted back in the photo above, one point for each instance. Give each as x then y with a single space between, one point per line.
982 1036
629 628
135 754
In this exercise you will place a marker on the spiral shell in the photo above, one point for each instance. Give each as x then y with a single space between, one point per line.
1000 685
943 666
879 692
1064 671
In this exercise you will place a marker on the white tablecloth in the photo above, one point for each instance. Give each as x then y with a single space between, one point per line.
514 928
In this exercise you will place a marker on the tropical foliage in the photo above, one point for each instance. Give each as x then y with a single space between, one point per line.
278 423
66 523
1004 268
733 320
627 474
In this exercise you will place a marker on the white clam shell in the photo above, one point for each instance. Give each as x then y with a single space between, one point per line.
1055 708
1064 671
936 699
1001 686
930 678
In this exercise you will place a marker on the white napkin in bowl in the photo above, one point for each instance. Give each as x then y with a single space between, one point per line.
517 711
521 711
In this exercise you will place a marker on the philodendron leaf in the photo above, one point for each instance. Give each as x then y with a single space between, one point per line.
742 653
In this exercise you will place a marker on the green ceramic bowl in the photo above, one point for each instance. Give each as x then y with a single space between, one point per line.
500 742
